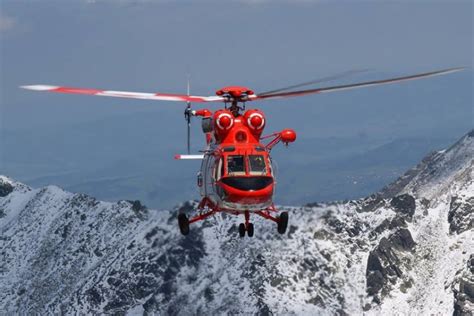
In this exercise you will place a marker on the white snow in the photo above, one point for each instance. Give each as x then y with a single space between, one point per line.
57 246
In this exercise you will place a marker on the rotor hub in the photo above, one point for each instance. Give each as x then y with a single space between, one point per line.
235 93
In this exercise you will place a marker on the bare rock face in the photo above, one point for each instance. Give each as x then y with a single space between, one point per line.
390 224
463 290
404 204
384 265
461 214
5 188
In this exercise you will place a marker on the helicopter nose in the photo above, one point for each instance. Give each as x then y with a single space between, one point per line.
247 190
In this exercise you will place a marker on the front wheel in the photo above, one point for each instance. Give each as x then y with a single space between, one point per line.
242 230
282 222
250 230
183 223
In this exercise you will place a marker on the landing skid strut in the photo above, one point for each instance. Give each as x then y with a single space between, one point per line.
247 226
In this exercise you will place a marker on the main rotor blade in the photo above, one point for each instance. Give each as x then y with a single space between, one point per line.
356 85
125 94
320 80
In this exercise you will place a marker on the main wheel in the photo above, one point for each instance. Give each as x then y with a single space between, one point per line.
282 222
250 230
183 223
242 230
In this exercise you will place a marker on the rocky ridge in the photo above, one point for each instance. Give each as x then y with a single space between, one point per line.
405 248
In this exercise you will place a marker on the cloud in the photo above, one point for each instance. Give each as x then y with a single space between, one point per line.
6 23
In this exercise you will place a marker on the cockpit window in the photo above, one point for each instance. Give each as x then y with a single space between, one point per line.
235 165
257 165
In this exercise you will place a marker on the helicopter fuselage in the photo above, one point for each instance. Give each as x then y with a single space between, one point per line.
237 178
236 172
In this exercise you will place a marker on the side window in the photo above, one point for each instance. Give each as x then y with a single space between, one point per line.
257 165
222 167
219 170
270 166
235 165
211 162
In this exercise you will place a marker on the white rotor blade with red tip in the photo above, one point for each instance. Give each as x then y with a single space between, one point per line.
352 86
125 94
190 157
275 94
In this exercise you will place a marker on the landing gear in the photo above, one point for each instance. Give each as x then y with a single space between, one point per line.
242 230
183 223
250 230
207 209
282 222
247 227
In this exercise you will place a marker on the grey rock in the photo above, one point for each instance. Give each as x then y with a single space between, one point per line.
461 215
389 224
384 264
5 188
463 290
404 204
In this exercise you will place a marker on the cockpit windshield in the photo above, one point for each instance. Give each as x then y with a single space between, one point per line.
235 165
240 165
257 165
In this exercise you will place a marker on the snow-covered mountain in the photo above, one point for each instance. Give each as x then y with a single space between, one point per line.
407 249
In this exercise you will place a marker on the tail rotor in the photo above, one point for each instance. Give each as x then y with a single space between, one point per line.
187 117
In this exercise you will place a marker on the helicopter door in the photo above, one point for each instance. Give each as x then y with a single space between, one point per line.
218 173
209 168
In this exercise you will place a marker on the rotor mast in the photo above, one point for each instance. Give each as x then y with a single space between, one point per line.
234 95
236 109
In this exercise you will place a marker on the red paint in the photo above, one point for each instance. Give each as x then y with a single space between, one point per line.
225 121
288 136
203 113
76 90
240 135
256 121
234 91
246 197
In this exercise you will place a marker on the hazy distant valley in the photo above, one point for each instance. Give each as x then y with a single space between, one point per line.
124 157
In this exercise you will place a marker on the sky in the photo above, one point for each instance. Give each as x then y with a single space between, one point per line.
151 46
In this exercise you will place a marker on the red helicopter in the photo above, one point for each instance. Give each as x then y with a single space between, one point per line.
236 173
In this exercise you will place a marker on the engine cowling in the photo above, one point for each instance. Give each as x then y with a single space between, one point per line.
255 121
223 123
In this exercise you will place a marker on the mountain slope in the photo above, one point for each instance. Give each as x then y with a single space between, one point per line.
405 248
